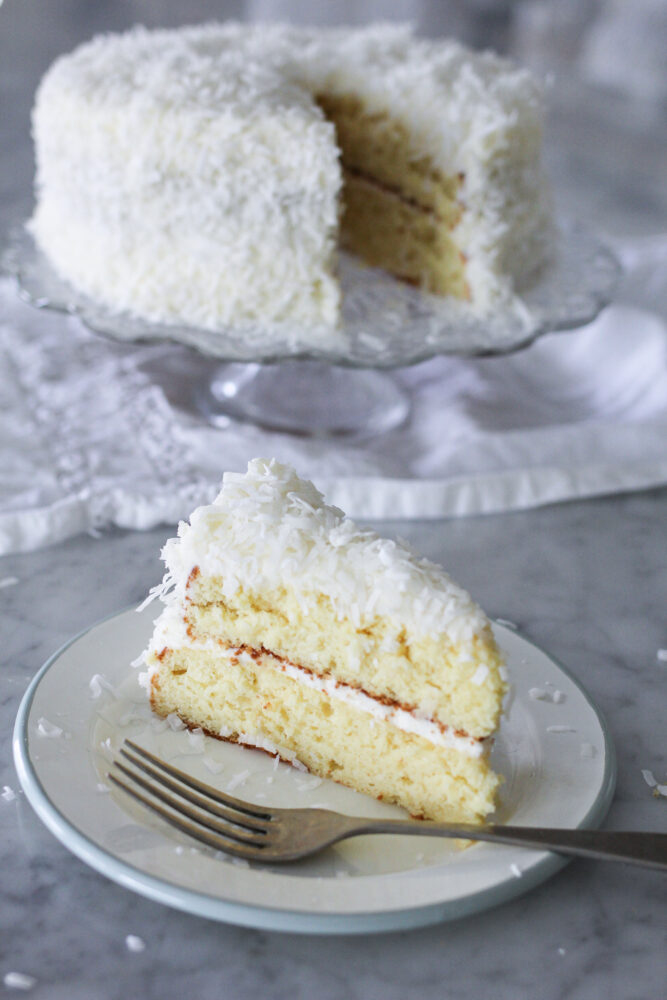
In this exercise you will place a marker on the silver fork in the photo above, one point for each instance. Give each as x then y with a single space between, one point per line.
259 833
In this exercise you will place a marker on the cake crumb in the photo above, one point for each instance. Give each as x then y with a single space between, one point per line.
660 790
8 793
561 951
19 981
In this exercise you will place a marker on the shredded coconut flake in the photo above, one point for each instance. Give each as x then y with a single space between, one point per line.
8 581
539 694
99 683
48 729
7 793
134 943
238 779
480 674
662 655
18 981
196 740
516 871
175 722
214 766
649 778
561 729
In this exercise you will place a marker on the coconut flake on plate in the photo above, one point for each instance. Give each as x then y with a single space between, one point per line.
48 729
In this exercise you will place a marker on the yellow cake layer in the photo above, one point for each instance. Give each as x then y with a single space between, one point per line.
399 209
378 146
381 656
413 244
332 738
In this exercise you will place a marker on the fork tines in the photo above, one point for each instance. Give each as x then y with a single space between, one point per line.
210 816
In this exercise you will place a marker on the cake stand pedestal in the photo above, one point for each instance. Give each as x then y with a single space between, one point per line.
307 398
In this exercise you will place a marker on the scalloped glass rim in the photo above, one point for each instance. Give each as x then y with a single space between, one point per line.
386 323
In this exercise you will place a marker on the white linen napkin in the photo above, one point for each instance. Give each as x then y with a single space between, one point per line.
88 438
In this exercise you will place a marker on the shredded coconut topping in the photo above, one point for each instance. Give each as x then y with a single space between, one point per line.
268 528
161 151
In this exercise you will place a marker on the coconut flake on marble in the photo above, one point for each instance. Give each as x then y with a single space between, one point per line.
18 981
134 943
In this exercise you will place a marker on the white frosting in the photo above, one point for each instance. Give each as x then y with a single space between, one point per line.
170 633
189 175
269 528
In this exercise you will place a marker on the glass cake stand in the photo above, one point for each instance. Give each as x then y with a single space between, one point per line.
273 377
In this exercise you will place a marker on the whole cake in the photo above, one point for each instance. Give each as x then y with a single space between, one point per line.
207 175
287 627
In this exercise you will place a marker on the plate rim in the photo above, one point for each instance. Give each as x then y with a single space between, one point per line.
274 918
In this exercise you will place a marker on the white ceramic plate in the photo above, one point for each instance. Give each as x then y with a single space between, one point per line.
553 749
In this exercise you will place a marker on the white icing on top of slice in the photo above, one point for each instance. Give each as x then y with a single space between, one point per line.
268 528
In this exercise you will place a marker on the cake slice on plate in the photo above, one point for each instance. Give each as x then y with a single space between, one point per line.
289 628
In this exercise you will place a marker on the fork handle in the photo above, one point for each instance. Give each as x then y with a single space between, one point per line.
632 847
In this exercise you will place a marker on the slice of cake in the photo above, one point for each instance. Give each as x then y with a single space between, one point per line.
206 175
289 628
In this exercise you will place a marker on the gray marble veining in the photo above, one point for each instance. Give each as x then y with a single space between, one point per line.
587 581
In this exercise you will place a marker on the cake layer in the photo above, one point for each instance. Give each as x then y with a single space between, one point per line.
231 693
396 234
461 688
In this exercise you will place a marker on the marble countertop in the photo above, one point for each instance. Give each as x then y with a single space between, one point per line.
585 580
